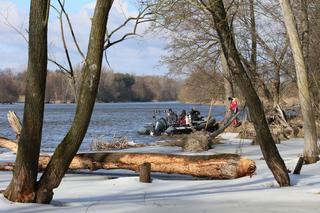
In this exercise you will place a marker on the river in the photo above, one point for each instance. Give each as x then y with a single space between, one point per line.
108 120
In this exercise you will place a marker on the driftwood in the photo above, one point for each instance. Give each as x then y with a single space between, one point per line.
222 166
116 143
280 128
225 125
14 122
8 144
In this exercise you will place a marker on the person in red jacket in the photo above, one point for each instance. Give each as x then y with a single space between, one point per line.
233 107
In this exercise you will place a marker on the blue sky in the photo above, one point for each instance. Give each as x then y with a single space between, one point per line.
140 55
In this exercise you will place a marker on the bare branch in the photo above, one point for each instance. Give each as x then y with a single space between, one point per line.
64 41
60 66
142 17
71 30
8 23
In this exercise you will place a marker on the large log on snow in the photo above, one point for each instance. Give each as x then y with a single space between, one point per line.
222 166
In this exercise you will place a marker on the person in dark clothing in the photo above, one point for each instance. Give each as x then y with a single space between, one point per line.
195 115
172 117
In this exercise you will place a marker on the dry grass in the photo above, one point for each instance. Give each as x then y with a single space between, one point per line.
246 130
115 144
197 142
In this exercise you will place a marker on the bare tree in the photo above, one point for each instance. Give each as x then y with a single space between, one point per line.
268 148
310 134
22 187
228 82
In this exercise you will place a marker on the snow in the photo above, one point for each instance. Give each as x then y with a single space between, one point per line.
103 192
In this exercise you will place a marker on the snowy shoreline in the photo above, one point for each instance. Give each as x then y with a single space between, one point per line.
174 193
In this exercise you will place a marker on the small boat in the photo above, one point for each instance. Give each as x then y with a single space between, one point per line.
165 125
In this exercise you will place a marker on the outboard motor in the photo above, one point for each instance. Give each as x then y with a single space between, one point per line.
160 126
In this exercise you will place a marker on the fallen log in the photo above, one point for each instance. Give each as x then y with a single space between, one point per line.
225 125
222 166
8 144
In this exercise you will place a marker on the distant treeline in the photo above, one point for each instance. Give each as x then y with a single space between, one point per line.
114 87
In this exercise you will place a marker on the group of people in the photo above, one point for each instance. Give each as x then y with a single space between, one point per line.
183 118
194 115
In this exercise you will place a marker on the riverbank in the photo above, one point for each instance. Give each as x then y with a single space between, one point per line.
121 191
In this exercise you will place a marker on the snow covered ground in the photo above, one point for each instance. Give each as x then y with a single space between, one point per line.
174 193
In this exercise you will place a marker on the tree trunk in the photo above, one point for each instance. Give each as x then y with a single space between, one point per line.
268 147
310 134
305 38
221 166
69 146
253 32
277 69
228 86
23 184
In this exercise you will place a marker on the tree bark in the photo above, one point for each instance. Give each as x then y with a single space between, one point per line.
144 173
23 184
69 146
305 37
228 86
268 147
220 166
311 150
253 32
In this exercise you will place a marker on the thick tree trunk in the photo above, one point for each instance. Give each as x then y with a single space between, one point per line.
222 166
310 134
268 147
23 184
67 149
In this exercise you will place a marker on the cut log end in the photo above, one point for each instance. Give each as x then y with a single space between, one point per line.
246 168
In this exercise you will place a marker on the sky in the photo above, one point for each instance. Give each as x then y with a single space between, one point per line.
139 55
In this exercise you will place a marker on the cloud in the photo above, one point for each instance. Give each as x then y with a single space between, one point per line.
9 11
139 55
13 47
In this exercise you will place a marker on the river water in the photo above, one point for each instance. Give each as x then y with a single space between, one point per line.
108 120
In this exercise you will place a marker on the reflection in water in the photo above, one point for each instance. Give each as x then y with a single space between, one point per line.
108 120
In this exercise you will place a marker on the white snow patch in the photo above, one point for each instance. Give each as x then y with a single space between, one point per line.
174 193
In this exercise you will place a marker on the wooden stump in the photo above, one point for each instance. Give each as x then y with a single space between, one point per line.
298 168
145 170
